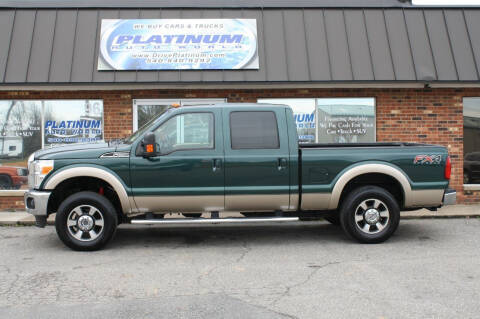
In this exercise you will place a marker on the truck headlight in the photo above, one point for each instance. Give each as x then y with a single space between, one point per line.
37 170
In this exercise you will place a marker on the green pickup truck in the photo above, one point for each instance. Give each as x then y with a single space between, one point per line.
243 158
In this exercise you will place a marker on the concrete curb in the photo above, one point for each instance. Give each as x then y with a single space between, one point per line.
454 211
21 219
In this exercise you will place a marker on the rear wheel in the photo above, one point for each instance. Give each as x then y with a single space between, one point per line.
370 214
86 221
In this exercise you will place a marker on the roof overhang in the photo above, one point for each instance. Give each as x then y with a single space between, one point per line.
236 85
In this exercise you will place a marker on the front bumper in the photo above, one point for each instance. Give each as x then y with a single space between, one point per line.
36 202
450 197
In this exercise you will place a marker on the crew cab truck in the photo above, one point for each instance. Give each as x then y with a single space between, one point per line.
232 158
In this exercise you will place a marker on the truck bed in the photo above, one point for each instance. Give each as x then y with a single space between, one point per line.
345 145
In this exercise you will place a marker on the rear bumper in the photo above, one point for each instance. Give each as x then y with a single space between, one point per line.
450 197
36 202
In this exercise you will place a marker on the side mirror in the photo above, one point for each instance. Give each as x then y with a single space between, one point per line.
149 146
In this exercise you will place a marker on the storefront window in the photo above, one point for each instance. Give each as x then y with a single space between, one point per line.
471 140
332 120
28 125
144 110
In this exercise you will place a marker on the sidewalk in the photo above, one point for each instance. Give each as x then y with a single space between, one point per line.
455 211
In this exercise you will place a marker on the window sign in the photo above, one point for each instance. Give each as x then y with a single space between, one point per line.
471 140
304 115
335 120
73 121
28 125
178 44
346 120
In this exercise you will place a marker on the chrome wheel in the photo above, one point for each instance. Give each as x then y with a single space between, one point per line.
372 216
85 223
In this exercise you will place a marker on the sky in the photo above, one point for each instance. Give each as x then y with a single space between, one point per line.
446 2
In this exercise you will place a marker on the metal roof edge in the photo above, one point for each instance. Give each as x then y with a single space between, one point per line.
202 4
407 7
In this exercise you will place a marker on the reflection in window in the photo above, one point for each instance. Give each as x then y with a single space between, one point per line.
346 120
471 140
20 135
145 110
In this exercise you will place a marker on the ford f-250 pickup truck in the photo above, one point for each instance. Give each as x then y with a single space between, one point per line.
232 158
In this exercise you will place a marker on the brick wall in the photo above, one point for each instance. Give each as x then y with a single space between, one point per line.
410 115
11 203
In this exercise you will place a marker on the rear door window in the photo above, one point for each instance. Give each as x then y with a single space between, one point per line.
254 130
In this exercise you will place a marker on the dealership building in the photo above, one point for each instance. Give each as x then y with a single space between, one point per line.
352 71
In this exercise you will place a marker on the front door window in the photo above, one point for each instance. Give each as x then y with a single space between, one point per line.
190 131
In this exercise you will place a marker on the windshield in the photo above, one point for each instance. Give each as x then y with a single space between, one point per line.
145 127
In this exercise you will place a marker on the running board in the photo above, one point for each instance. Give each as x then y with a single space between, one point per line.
191 221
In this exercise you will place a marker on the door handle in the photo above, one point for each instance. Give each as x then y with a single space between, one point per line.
217 164
282 163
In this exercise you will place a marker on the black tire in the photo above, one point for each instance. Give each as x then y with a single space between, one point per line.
82 202
5 182
333 219
192 215
378 202
466 177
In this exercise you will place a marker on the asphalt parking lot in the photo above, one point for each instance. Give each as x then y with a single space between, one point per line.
430 268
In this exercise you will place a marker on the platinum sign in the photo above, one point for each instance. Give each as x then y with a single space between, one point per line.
178 44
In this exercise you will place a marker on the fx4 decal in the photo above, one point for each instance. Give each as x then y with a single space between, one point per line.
427 160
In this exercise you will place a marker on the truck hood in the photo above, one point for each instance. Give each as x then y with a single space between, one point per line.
81 150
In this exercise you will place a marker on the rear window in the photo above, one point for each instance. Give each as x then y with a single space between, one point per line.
254 130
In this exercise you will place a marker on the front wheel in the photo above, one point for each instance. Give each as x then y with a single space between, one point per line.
86 221
370 214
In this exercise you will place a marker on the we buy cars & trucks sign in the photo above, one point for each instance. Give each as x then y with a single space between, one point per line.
178 44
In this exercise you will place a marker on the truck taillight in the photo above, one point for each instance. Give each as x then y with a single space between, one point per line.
448 168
